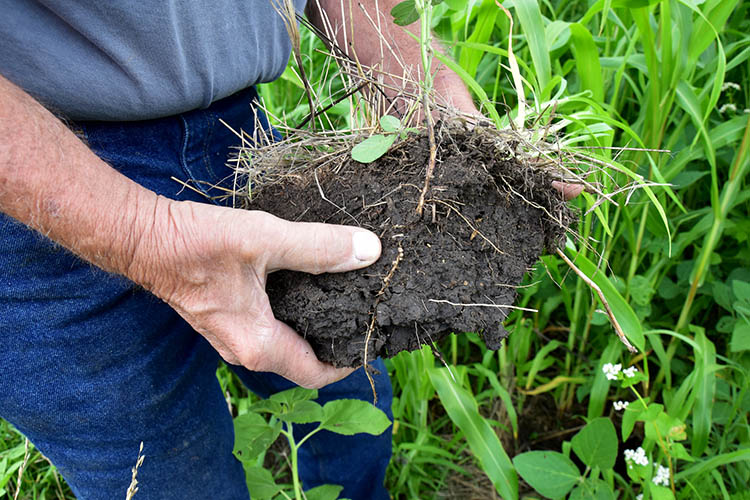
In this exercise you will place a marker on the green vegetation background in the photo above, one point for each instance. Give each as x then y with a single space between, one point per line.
675 266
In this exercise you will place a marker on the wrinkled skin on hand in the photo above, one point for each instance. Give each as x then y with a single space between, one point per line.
211 263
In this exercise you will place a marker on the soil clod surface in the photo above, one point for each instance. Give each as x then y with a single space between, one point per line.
487 218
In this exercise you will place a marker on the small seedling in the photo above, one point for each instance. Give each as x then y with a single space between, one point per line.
254 435
377 145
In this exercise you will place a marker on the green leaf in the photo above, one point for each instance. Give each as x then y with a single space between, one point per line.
260 483
632 414
596 444
390 123
324 492
704 390
483 28
303 412
533 27
660 493
592 489
679 452
290 396
253 436
722 294
550 473
741 290
641 290
353 416
713 463
633 4
267 406
665 426
372 148
740 337
725 324
502 393
484 443
587 61
485 104
405 13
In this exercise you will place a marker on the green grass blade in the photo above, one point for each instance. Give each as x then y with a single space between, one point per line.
705 390
502 393
587 61
470 57
689 102
485 104
484 443
533 28
713 463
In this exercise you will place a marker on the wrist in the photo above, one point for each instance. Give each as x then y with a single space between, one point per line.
146 250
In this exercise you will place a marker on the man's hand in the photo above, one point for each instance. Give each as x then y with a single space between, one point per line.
211 263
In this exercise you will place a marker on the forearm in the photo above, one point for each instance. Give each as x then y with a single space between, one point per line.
52 182
364 29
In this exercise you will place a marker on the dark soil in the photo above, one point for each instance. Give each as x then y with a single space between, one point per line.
487 218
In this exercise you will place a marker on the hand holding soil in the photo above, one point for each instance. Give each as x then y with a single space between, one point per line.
489 213
211 264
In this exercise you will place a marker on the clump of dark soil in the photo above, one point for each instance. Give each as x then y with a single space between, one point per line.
488 216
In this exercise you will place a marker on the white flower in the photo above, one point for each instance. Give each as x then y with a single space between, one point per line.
638 456
639 496
630 372
620 405
662 476
611 370
727 107
747 111
730 85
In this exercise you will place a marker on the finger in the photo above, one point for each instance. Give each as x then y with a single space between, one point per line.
321 248
292 357
569 191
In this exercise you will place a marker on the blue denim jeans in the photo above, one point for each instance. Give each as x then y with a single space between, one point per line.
91 365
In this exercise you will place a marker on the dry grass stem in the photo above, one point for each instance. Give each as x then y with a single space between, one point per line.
595 287
26 454
133 487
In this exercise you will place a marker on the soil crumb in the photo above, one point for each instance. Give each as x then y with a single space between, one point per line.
488 216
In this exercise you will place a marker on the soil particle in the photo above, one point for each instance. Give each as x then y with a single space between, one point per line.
487 218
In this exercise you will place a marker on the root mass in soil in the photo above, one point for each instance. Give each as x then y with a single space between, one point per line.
488 216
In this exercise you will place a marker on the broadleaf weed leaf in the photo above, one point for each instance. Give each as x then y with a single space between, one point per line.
372 148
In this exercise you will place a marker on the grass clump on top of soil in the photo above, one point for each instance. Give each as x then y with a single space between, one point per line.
489 212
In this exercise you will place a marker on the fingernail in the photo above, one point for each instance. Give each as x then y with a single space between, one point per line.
366 246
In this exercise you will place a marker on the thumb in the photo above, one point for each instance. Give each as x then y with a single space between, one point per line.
321 248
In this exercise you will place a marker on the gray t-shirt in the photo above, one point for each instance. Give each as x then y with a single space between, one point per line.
133 60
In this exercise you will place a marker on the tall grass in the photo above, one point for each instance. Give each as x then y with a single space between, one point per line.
661 75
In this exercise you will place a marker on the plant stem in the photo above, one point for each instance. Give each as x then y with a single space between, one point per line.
294 447
736 176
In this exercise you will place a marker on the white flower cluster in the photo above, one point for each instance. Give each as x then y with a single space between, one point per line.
611 370
662 476
638 456
727 107
620 405
730 85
